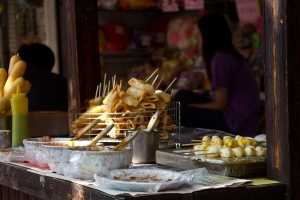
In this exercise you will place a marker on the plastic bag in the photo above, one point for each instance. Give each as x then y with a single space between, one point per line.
13 155
84 164
146 180
36 157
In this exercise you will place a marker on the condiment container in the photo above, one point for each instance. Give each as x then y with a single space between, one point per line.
20 123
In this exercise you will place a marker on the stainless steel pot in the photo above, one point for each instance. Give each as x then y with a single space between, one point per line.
144 147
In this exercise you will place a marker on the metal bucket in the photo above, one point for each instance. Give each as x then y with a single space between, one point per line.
144 147
5 139
5 122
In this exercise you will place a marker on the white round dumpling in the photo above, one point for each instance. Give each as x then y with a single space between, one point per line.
216 141
237 137
260 151
226 152
213 152
250 151
238 152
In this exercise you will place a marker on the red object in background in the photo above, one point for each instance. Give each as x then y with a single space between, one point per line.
159 26
117 36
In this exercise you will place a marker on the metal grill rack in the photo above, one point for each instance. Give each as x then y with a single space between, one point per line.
169 121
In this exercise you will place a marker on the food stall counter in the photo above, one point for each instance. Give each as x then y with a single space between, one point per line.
17 181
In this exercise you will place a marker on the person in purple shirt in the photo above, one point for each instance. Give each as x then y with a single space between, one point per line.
234 105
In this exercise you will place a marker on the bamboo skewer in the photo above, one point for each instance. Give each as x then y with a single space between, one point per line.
151 75
108 88
196 140
104 83
191 150
104 90
199 141
96 94
171 84
155 80
190 144
99 89
158 83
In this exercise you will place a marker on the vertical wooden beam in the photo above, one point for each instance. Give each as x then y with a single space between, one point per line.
82 55
282 30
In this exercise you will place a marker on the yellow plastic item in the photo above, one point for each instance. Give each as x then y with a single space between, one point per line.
20 102
20 123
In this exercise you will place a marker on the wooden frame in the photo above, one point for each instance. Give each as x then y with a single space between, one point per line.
282 42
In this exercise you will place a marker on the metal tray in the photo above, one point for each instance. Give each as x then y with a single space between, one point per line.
234 167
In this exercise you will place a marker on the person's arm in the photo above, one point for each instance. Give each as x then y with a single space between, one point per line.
220 103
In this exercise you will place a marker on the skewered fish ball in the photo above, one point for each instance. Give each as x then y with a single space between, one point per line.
206 141
226 152
237 137
254 143
216 141
200 147
250 151
243 142
230 142
260 151
213 149
238 152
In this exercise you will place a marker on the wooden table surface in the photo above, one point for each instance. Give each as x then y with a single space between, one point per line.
18 183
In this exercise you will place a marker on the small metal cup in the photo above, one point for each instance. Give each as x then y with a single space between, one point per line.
5 122
144 147
5 139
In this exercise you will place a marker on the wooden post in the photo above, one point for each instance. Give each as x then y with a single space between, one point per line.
282 48
82 54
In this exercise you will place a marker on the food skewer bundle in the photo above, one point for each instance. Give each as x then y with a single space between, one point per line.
229 147
9 81
128 110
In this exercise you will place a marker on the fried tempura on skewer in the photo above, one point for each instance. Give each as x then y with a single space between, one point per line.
163 96
137 93
128 99
133 82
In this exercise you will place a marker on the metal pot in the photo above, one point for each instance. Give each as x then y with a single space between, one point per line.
144 147
5 122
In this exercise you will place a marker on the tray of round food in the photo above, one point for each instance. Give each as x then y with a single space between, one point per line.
231 156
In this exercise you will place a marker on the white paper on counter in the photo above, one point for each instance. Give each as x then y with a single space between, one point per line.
206 182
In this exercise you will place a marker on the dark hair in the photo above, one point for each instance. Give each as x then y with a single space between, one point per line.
216 36
38 55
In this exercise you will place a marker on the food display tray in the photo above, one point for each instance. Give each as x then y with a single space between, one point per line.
235 167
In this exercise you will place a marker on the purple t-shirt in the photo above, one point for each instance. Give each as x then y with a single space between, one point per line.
242 113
